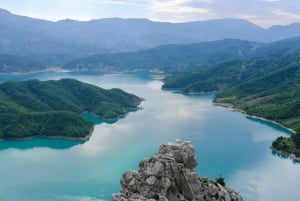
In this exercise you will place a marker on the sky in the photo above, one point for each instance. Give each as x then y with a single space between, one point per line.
264 13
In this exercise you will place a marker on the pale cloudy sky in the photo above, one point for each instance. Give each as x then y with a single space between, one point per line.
262 12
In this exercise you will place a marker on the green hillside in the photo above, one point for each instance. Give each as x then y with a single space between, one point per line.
176 58
267 87
169 57
20 64
54 108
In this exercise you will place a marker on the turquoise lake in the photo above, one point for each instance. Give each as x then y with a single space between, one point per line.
226 143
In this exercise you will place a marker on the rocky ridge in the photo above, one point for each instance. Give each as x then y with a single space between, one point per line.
169 175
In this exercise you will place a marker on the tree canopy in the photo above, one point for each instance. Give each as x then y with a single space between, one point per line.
54 108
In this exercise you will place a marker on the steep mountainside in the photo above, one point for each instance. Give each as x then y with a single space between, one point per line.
169 175
54 108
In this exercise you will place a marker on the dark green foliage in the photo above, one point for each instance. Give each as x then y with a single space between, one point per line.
61 123
283 144
273 94
296 140
220 179
207 79
54 108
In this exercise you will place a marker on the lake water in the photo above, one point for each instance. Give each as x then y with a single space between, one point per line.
226 143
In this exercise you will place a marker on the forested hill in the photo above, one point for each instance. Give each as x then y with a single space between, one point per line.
174 58
170 57
20 64
54 108
267 87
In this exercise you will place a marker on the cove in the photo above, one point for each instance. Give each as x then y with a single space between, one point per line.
226 143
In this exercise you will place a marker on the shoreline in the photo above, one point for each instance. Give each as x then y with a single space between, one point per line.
120 116
271 121
66 70
232 108
178 90
198 93
279 152
85 138
50 69
283 153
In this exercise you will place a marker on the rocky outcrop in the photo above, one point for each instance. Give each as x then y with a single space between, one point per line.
169 176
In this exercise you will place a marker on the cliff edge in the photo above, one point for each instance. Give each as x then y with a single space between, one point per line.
169 176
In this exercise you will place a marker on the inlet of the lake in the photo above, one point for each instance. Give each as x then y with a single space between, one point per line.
226 143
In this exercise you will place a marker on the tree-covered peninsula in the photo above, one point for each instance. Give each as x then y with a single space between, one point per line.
267 87
54 108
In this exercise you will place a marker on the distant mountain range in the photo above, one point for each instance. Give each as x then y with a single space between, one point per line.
24 36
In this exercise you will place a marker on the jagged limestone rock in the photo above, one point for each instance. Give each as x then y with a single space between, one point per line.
169 176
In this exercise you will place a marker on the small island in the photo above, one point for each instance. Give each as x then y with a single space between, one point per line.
54 108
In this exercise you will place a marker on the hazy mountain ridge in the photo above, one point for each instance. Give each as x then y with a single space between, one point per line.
21 35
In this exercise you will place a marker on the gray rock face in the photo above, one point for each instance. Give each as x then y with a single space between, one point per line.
169 176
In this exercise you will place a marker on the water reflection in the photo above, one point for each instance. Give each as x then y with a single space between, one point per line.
97 119
270 124
39 142
273 179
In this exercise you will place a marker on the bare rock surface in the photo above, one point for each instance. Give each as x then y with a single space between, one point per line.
169 176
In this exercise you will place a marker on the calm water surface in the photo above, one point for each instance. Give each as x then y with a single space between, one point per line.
226 143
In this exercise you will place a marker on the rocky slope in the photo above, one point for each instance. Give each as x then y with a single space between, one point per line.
169 176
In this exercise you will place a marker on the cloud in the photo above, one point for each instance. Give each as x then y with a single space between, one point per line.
285 14
176 7
262 12
257 182
125 2
179 10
